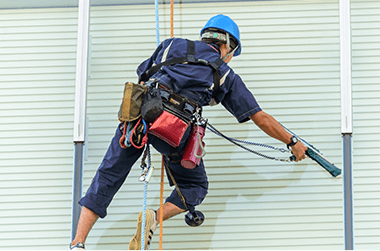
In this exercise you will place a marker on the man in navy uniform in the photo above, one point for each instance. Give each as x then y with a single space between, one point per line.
220 41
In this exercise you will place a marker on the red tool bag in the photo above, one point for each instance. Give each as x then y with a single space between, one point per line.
169 128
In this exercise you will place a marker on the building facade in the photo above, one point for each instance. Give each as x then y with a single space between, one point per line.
290 61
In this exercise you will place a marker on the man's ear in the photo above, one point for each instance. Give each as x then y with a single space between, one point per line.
224 46
223 49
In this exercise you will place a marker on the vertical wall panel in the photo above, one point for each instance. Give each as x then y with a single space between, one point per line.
290 61
37 72
122 37
365 21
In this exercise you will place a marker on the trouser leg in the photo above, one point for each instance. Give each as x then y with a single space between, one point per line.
192 183
110 176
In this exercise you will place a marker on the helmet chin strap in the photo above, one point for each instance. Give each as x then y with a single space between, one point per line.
228 47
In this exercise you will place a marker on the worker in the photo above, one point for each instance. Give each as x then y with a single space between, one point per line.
203 78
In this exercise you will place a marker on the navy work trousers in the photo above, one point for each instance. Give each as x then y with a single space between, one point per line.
117 164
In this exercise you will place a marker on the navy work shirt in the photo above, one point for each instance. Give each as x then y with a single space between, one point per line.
195 81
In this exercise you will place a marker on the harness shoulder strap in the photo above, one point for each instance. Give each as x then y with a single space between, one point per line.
191 52
190 58
148 73
215 65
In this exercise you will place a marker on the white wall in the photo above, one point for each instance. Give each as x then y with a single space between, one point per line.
37 74
365 23
290 61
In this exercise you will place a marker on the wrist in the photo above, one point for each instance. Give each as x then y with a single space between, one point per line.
293 141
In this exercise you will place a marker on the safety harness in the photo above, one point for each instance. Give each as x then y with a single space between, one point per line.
137 139
190 58
193 217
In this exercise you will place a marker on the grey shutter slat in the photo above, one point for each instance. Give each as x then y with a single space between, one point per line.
365 23
290 62
37 71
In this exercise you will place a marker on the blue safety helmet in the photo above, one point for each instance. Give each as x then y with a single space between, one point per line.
226 24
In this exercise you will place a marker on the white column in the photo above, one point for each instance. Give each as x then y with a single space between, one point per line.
346 120
345 66
81 71
80 107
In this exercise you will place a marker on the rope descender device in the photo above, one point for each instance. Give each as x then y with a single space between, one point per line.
145 177
147 170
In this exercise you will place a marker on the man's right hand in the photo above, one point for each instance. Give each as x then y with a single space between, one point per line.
299 150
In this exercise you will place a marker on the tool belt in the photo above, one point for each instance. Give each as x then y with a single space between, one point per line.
177 116
153 108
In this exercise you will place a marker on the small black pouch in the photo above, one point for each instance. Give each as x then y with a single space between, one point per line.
152 106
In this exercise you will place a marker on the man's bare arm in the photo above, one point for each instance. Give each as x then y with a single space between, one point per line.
274 129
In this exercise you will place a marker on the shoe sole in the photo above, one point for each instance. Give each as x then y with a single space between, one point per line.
135 243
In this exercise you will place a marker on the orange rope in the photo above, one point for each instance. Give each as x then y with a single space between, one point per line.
161 204
171 18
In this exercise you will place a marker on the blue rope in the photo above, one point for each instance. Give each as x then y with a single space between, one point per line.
144 217
128 135
237 142
157 23
149 160
283 150
143 223
144 125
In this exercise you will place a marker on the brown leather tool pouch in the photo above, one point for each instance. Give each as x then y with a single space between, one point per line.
133 98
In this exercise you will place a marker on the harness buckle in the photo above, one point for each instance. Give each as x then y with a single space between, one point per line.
191 58
189 108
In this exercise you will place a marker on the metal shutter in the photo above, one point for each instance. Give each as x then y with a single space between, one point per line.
290 61
365 21
37 72
121 38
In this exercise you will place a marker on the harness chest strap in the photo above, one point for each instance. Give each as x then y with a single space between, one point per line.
190 58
